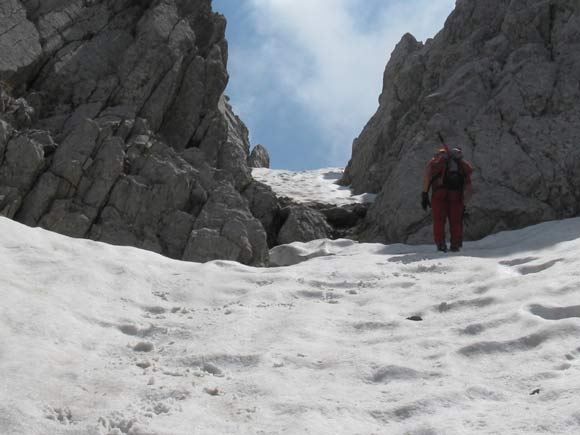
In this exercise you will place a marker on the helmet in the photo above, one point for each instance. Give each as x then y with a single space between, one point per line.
457 153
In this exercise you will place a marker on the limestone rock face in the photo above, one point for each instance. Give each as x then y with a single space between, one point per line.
114 127
500 80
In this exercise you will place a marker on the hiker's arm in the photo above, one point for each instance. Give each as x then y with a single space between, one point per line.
468 186
427 178
467 190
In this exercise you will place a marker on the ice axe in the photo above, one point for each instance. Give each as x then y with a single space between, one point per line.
444 143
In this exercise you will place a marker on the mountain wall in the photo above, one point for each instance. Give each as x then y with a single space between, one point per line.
114 127
502 80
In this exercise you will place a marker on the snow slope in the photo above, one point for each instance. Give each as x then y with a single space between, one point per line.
96 339
318 185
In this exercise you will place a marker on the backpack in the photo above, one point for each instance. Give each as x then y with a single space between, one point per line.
448 171
453 177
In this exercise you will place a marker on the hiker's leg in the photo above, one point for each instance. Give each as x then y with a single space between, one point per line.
439 208
456 218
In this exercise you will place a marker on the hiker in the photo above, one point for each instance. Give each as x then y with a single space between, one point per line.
449 176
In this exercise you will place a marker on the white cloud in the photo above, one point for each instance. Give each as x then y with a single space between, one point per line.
329 55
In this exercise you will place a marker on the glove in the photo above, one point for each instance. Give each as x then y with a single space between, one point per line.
425 200
465 215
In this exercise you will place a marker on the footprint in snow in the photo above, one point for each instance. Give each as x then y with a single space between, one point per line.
212 369
310 294
154 310
144 346
374 326
465 304
60 415
135 331
520 344
518 261
392 373
572 356
555 313
527 270
530 269
161 295
326 296
213 364
405 412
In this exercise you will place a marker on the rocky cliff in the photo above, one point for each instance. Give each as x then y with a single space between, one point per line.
502 80
114 127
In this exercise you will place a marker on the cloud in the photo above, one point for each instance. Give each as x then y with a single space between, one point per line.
328 57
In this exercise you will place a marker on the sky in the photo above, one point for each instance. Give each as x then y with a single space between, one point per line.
305 75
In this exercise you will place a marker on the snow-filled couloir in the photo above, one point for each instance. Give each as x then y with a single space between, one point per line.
316 185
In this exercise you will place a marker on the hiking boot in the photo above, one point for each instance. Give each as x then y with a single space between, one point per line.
455 249
442 247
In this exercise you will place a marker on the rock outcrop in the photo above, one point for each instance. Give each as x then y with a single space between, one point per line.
259 157
267 208
114 127
502 81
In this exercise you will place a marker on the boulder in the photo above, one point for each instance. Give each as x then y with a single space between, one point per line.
224 226
303 224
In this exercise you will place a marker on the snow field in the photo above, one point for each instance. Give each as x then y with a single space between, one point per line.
318 185
103 340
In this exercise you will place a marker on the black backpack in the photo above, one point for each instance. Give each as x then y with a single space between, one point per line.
453 177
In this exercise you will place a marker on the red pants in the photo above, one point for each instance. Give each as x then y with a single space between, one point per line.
448 204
